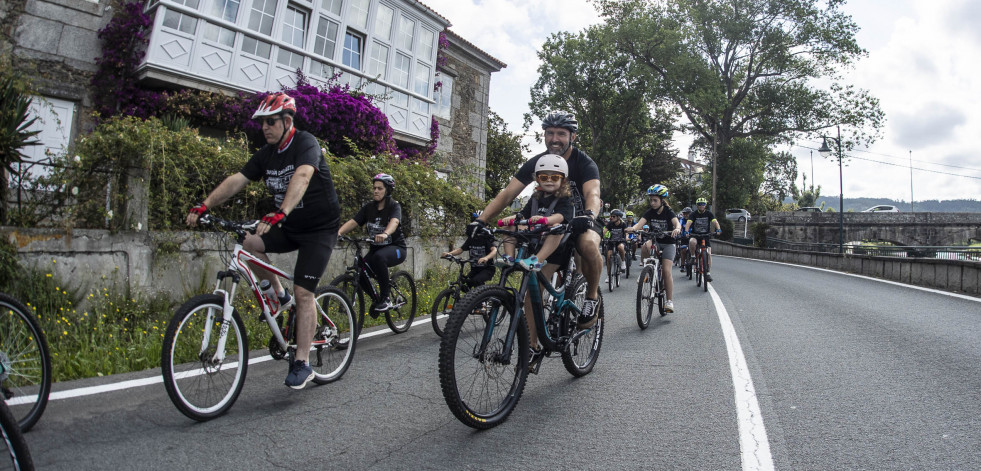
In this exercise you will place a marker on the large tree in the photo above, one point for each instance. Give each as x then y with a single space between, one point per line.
618 126
504 150
748 73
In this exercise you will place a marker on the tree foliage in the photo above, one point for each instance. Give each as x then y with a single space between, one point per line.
504 154
744 74
612 99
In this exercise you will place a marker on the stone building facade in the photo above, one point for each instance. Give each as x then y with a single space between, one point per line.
55 44
462 109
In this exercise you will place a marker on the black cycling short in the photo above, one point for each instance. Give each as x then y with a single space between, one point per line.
313 252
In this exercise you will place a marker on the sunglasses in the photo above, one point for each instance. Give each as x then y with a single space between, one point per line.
268 121
542 178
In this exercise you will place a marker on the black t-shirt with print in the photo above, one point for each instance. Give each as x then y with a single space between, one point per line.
375 221
478 247
661 221
318 209
701 222
563 206
617 230
581 170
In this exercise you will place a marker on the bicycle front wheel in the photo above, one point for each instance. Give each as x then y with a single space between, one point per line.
26 377
441 309
201 381
400 317
645 304
335 337
13 439
482 381
616 269
705 264
580 355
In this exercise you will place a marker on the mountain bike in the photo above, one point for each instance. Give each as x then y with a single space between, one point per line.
206 350
17 452
25 380
484 355
613 266
448 298
357 281
701 260
650 284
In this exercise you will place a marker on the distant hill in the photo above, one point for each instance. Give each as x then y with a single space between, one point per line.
931 206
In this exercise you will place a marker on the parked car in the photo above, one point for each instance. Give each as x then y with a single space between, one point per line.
809 209
740 215
882 208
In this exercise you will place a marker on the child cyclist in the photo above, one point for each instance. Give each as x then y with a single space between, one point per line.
482 252
551 201
661 217
615 240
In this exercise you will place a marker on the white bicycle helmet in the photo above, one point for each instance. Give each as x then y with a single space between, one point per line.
552 163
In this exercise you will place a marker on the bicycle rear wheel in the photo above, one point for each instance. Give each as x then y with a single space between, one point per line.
645 304
441 309
609 273
349 286
13 440
26 363
689 266
580 356
698 269
400 318
335 337
630 261
201 386
482 386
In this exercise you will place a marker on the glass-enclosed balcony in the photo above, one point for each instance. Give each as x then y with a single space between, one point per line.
387 48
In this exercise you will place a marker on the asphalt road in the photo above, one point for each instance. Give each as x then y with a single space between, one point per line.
849 373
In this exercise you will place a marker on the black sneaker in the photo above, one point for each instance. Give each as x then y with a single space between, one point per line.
301 373
708 277
590 311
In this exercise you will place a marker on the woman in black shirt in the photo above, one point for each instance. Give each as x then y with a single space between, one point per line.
382 217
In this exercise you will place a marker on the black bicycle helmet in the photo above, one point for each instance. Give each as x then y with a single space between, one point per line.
386 180
561 119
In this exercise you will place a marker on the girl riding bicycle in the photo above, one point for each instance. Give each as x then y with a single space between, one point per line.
382 217
661 217
552 202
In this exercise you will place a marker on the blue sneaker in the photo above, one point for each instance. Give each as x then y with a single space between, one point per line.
301 373
531 263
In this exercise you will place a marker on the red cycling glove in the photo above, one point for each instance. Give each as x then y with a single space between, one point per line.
274 218
200 209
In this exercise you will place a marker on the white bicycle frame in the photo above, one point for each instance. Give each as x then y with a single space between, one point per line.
240 264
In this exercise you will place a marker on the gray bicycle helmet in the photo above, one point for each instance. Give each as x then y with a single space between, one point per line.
386 180
686 210
561 119
618 213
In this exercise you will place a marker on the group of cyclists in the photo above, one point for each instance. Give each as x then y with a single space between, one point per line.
308 220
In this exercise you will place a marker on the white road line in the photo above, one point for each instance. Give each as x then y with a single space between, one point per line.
135 383
754 446
828 270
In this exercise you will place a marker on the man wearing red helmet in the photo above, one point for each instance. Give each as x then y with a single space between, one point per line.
296 173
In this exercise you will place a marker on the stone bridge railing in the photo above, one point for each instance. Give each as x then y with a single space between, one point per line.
930 229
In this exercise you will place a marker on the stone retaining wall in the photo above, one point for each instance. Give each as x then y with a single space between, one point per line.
175 263
960 276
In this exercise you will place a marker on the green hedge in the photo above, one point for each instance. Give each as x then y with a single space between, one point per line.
89 187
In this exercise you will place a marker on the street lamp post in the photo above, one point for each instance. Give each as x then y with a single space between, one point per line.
825 151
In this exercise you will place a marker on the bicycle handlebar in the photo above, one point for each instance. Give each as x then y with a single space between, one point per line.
233 226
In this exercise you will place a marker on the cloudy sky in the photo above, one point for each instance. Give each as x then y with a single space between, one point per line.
924 65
